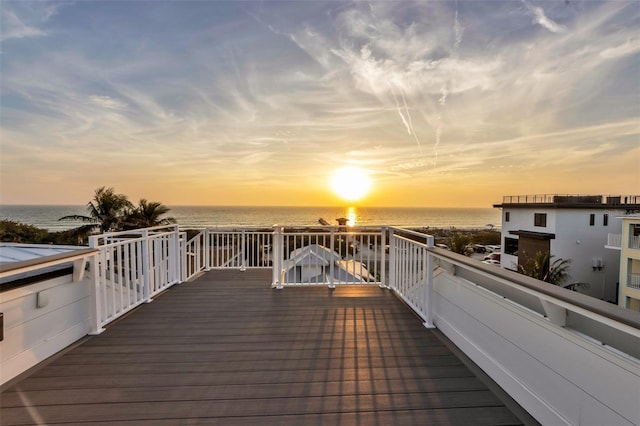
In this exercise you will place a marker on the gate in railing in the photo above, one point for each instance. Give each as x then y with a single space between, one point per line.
130 268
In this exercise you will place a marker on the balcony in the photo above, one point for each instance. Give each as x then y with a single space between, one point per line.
633 281
252 326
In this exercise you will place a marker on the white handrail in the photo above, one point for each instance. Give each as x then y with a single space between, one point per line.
131 267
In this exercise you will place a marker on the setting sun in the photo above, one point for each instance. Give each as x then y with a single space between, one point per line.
350 183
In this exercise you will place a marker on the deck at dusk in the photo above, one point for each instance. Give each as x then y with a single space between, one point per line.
228 349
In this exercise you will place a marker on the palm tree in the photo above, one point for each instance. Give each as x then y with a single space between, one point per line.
147 214
106 211
540 267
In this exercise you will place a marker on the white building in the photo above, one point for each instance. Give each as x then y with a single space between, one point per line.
572 227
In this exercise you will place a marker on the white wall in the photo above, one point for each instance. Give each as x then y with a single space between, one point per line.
558 376
32 334
581 243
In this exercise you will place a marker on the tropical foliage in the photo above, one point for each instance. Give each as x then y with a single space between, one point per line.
147 214
106 211
15 232
542 267
458 242
109 212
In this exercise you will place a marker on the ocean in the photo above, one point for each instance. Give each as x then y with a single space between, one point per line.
201 216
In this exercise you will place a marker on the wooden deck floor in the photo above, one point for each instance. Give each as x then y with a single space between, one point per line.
227 349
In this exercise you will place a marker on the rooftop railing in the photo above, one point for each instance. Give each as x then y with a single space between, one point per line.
131 267
613 200
565 357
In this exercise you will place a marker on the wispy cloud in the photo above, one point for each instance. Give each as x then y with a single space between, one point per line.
627 48
541 19
20 20
14 27
416 92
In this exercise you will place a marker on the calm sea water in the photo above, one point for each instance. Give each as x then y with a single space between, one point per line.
200 216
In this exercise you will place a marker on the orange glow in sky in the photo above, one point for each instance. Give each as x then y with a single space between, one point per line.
258 103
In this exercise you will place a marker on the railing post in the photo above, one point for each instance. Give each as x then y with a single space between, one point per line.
243 242
392 260
207 249
428 294
383 258
332 270
146 270
96 300
176 275
183 257
277 257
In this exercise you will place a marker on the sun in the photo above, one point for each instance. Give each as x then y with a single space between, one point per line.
350 183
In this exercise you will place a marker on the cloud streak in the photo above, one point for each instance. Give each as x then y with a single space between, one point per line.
541 19
416 92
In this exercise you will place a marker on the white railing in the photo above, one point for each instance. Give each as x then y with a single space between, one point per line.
193 255
634 241
614 240
238 248
613 200
298 256
328 256
411 271
130 268
546 346
633 281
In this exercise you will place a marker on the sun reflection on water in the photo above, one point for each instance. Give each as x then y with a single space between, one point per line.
351 216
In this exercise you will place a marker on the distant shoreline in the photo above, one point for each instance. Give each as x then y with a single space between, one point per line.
46 216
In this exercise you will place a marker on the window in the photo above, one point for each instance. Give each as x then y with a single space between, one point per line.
540 219
605 220
511 246
592 219
507 216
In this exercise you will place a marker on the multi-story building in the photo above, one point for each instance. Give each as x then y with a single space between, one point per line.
628 243
573 227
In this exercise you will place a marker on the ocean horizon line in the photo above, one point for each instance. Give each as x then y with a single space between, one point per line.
340 206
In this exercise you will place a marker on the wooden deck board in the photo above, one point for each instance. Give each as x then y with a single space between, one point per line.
228 349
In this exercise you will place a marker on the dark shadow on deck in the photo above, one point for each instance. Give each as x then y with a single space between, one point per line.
227 349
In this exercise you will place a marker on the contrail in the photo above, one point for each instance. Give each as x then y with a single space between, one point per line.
435 147
406 107
458 31
404 120
407 123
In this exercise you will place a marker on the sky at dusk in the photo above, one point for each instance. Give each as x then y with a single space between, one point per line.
442 103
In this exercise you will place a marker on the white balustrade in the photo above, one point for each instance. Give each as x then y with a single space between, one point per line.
130 268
